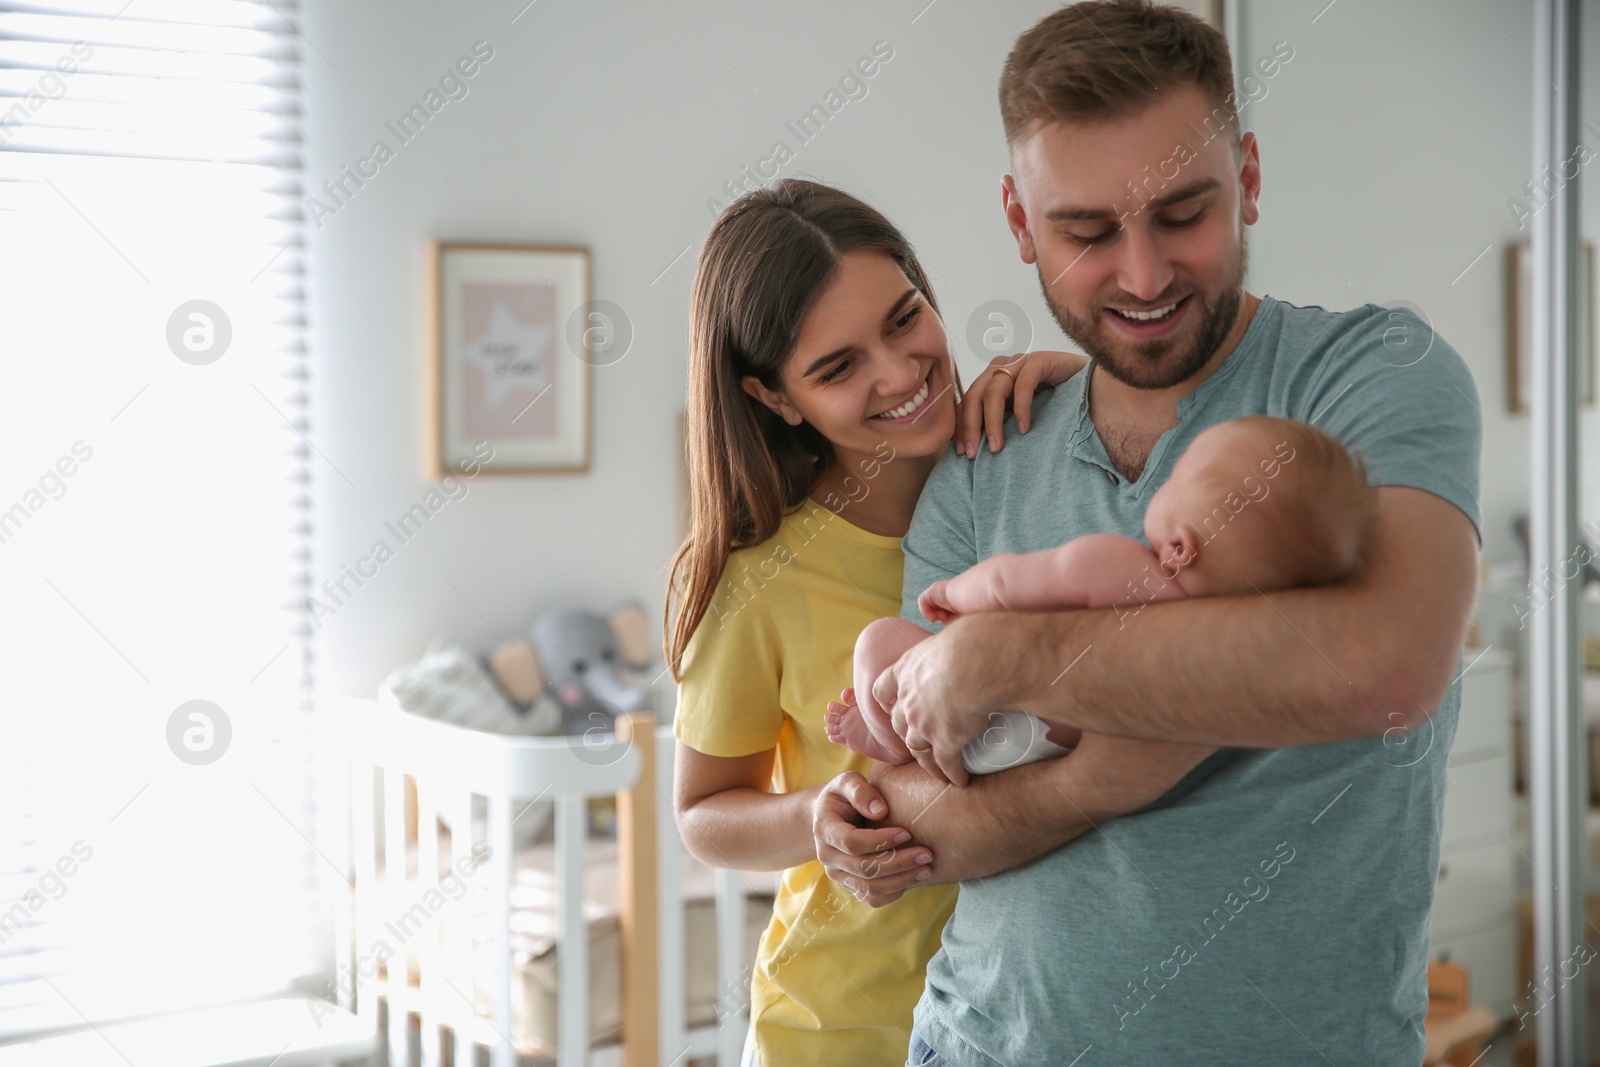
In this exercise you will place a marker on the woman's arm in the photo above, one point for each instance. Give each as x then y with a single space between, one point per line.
728 819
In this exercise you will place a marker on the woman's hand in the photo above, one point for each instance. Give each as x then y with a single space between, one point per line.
1013 379
876 864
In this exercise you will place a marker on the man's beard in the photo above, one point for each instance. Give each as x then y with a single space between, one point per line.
1158 364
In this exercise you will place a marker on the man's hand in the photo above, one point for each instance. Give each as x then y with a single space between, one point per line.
940 692
876 864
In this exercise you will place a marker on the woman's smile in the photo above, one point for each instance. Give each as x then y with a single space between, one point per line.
912 409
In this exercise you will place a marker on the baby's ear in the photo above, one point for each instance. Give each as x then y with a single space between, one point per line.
1182 549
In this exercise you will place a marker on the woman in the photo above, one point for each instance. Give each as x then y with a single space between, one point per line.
821 394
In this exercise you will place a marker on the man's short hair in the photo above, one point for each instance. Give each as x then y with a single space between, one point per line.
1103 60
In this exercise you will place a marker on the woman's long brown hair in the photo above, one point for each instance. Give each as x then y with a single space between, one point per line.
768 256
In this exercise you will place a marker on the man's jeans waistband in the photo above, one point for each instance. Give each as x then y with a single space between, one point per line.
922 1055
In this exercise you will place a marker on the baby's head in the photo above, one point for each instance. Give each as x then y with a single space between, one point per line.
1261 501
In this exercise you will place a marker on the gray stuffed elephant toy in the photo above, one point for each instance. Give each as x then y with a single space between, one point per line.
584 659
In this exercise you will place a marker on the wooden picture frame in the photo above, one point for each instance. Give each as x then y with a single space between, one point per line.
509 373
1519 317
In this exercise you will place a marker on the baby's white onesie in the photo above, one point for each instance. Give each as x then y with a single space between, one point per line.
1010 739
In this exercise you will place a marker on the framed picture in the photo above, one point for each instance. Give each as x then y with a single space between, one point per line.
1519 326
507 389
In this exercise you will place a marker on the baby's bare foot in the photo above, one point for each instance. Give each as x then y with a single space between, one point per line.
846 725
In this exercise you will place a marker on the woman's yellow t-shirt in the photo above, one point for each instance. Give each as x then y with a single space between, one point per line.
835 980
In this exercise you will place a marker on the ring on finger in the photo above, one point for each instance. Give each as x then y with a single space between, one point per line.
1006 371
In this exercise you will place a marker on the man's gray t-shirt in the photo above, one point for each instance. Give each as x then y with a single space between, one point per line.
1274 905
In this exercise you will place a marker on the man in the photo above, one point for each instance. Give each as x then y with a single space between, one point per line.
1273 906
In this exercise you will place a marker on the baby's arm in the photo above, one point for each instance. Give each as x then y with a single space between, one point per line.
1093 571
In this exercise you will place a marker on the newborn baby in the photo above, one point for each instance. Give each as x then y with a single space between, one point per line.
1254 504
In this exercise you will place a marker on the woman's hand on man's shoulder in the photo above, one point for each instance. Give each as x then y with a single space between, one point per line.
1008 383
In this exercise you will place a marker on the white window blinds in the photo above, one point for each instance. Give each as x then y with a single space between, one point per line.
155 507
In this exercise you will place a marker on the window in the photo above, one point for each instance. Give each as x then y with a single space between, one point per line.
155 504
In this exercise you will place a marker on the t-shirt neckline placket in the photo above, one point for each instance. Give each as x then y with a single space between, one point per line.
1097 454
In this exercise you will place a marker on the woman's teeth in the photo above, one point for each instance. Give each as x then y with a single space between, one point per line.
1148 316
908 407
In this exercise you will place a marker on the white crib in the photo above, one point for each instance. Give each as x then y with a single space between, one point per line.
429 978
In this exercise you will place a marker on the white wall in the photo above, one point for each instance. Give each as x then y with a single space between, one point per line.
1389 147
1391 142
608 125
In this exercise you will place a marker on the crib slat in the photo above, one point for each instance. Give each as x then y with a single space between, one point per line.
427 939
572 998
344 934
637 830
733 984
464 1006
362 975
502 869
394 892
673 1024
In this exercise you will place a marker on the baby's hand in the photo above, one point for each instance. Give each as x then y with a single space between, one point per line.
1008 384
934 603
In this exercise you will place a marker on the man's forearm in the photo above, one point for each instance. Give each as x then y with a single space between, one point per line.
1246 670
993 824
1208 671
999 821
1374 653
1369 655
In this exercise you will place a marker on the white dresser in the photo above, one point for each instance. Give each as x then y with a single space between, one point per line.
1474 905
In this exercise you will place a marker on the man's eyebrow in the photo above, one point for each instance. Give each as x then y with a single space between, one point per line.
831 356
1178 195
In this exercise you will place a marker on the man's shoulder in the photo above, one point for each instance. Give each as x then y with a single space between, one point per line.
1381 358
1057 407
1399 332
1056 414
1382 380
